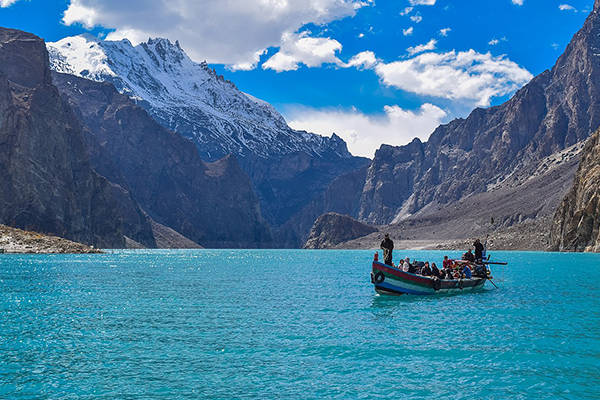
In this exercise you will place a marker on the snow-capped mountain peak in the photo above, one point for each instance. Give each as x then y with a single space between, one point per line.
187 97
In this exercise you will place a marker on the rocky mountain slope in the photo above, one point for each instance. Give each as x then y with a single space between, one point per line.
332 229
213 204
288 168
576 224
46 181
504 149
500 145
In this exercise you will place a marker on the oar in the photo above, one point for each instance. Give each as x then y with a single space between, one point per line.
492 282
495 262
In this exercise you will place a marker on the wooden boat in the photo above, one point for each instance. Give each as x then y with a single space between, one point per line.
391 280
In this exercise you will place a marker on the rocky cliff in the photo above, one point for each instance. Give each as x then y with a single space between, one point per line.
212 204
288 168
46 181
576 224
498 146
332 229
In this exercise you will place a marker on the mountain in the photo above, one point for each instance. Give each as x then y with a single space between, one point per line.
512 163
501 145
213 204
288 168
577 221
46 181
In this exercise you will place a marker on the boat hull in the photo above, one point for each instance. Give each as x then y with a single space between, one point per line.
393 281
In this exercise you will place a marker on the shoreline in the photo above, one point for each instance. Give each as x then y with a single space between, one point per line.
18 241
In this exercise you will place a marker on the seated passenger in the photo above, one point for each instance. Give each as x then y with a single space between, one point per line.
446 262
466 272
405 265
448 272
426 270
412 268
469 256
456 274
435 271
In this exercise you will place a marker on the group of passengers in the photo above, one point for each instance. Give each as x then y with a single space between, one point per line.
451 269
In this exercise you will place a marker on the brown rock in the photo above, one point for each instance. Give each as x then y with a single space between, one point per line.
577 220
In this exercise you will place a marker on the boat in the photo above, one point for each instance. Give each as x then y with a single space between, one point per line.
393 281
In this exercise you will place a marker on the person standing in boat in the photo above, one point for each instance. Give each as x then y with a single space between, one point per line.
387 245
478 250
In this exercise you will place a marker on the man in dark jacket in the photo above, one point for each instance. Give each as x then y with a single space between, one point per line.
478 250
387 245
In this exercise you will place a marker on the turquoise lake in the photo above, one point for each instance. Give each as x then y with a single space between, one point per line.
285 324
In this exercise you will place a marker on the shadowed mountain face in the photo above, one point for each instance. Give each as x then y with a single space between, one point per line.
212 204
499 145
577 221
46 181
288 168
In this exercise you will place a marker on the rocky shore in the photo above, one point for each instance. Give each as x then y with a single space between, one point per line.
19 241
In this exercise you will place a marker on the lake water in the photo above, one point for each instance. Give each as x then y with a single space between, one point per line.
292 324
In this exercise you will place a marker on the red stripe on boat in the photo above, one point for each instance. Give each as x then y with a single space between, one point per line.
401 274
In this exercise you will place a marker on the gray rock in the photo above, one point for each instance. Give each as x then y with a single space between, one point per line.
46 181
332 229
212 204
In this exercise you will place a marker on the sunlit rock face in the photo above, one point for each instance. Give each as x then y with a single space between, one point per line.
577 220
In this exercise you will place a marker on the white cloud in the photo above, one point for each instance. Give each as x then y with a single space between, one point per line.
422 47
406 11
408 31
444 32
7 3
518 2
495 41
416 19
301 49
365 59
365 133
228 31
568 7
361 35
468 75
422 2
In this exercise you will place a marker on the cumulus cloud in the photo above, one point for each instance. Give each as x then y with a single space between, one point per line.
365 133
227 32
7 3
408 31
422 47
465 75
301 49
406 11
423 2
567 7
363 60
416 19
518 2
444 32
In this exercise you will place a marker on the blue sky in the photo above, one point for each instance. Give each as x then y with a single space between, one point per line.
372 71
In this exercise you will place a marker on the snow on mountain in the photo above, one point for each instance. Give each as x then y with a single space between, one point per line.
188 97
